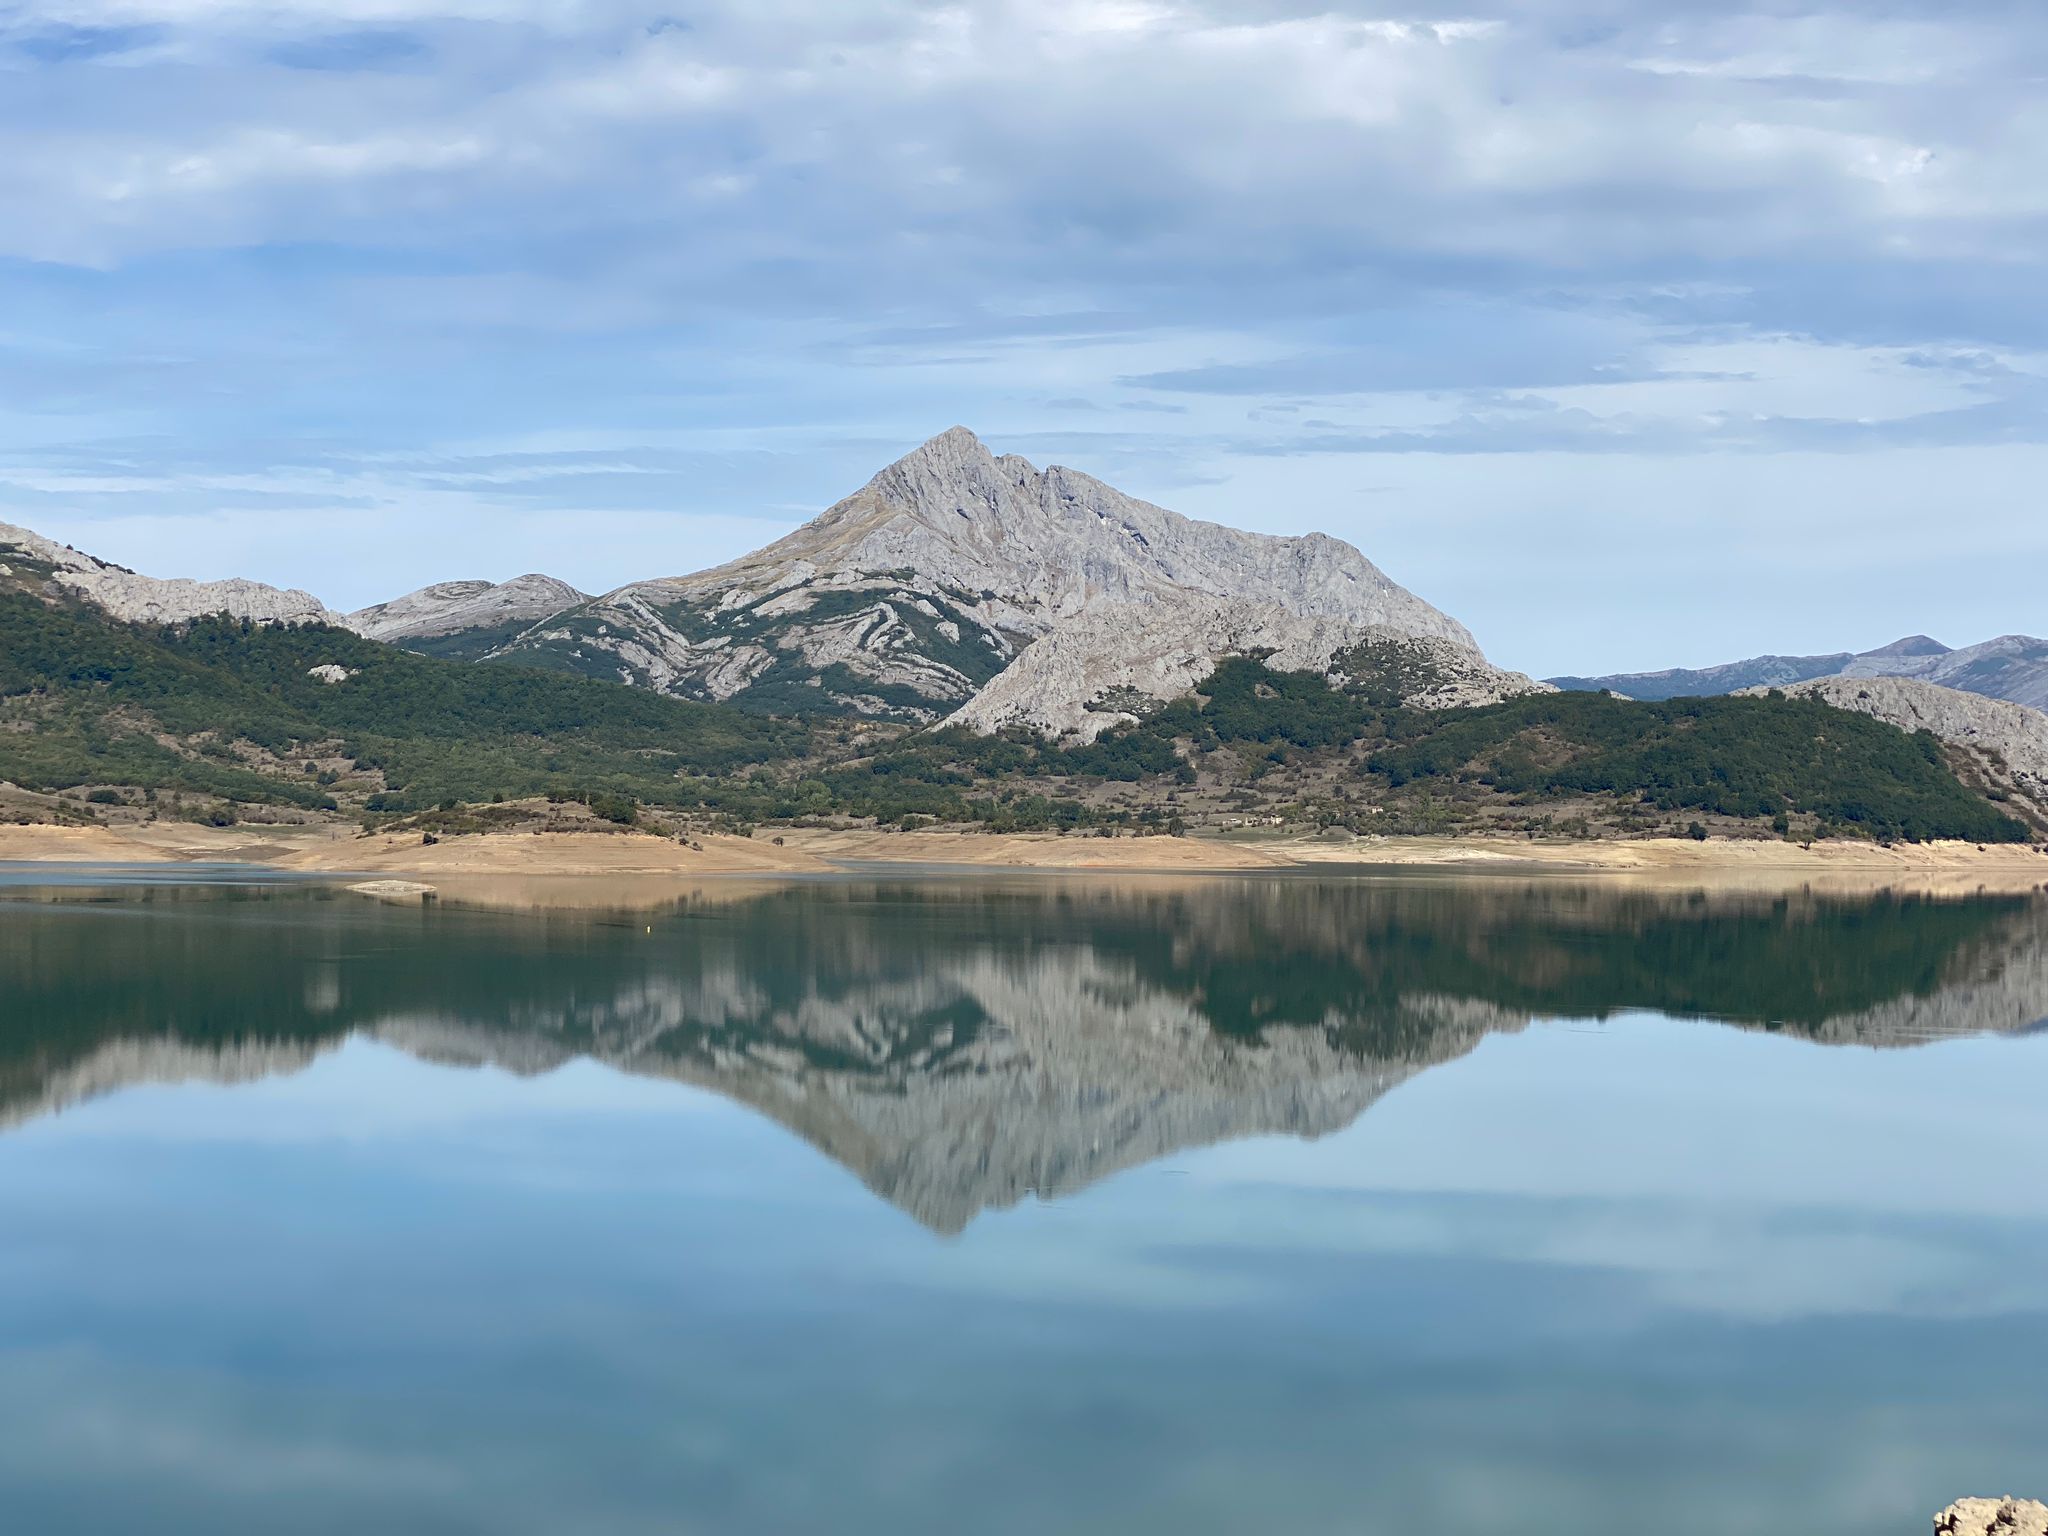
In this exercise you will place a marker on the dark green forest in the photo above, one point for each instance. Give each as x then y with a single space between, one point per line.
1738 757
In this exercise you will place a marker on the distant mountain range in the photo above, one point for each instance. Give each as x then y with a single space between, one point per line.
2012 667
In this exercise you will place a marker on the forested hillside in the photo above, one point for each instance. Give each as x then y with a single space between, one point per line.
225 716
232 710
1256 746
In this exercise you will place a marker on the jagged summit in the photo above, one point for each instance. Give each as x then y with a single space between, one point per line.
1054 541
910 595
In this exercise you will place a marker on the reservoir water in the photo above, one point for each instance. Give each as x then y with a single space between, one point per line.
1006 1204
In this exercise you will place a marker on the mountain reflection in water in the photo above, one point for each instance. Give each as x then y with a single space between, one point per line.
961 1044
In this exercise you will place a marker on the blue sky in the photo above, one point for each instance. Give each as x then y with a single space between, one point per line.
1633 334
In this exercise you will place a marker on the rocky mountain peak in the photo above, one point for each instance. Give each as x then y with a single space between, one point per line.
906 598
1045 544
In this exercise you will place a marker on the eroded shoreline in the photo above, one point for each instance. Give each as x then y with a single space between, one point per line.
586 864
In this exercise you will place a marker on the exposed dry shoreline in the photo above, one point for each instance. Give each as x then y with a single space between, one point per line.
594 859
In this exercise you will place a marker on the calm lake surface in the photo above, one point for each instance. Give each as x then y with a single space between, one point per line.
1019 1205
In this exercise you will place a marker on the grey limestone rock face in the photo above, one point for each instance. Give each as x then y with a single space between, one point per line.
151 600
1085 676
906 600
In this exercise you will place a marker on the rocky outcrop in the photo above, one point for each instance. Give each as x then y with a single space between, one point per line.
1104 666
1993 1517
909 596
2009 733
31 558
452 607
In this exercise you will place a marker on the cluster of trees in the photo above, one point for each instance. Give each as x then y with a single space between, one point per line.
1740 757
84 701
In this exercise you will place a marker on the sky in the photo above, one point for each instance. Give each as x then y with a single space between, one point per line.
1633 334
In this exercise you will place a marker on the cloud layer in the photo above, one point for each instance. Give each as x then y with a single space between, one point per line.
427 286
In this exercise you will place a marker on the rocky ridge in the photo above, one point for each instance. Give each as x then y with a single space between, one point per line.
1753 672
29 560
450 607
